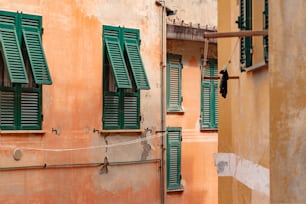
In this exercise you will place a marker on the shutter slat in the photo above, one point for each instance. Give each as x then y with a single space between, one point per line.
174 73
30 110
205 107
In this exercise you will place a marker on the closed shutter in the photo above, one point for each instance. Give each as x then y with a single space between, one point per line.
12 54
266 26
8 109
131 111
32 39
115 56
205 104
215 104
111 111
174 80
174 138
30 115
245 23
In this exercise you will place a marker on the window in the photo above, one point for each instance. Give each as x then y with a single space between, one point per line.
209 96
23 69
266 26
174 83
123 77
174 138
245 23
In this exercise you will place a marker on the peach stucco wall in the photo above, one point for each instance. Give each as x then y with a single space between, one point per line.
72 106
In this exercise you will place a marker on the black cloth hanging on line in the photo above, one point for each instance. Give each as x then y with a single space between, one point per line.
223 83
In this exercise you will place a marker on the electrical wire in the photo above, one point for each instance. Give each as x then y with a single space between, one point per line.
82 148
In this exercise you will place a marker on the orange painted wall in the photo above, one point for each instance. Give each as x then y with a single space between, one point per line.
72 106
199 177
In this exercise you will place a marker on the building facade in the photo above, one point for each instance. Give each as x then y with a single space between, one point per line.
83 104
260 122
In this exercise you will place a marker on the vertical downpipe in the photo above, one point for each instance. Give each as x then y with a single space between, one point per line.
162 73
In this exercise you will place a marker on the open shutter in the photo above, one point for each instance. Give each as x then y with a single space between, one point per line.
174 80
115 56
174 138
30 115
139 73
111 111
12 54
8 109
36 55
205 104
131 111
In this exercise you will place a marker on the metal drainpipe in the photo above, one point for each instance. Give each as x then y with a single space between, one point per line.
163 117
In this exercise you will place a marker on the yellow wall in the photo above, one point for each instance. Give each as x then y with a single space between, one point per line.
244 114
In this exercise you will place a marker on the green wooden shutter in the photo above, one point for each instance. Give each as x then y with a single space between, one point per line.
139 73
214 104
266 27
205 104
12 54
131 111
115 55
245 23
174 138
30 111
8 108
36 55
111 110
174 86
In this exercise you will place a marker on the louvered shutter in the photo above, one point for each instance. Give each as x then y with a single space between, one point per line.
30 113
214 104
136 64
111 111
266 26
8 108
245 23
31 31
115 56
12 54
205 104
174 138
131 111
174 80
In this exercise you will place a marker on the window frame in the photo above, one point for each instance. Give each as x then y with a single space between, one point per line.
121 106
21 101
209 96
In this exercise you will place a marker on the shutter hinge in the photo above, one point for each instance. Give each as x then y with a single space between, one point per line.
140 118
181 99
42 31
42 117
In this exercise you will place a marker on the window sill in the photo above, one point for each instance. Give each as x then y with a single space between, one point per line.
121 131
209 130
178 190
256 66
39 132
180 112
